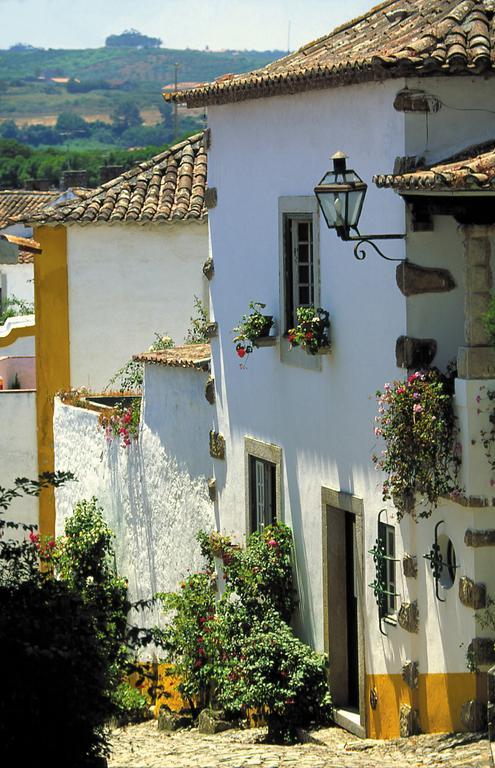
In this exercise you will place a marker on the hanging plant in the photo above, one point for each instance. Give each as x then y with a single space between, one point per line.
253 326
311 333
122 422
422 455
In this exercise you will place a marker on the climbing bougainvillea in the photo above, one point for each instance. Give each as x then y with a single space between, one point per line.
122 422
421 456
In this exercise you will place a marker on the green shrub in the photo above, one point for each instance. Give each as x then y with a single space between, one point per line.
183 638
261 665
239 651
130 704
62 639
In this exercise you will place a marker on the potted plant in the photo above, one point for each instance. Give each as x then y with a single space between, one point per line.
254 325
311 332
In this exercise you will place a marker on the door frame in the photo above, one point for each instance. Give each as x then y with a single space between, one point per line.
346 502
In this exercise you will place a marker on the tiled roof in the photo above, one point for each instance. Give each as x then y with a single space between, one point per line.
27 248
19 203
169 187
395 38
188 356
472 169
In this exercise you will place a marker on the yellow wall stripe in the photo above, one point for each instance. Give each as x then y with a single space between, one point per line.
52 351
438 698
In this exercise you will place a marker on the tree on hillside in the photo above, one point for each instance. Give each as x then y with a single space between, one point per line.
9 130
167 113
72 124
131 38
126 115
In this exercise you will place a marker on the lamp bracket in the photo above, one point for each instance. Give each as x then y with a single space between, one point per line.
359 252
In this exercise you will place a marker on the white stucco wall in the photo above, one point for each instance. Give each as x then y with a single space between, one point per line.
154 493
18 450
323 420
126 282
17 280
465 117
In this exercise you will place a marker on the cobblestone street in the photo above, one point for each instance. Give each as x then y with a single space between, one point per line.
144 746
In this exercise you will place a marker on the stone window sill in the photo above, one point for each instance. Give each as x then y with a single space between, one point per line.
266 341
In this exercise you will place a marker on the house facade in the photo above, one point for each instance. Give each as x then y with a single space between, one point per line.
393 88
117 266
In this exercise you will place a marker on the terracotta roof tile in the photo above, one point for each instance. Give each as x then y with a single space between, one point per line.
17 203
188 356
395 38
471 169
169 187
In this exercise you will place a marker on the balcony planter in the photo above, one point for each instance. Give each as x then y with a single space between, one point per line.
253 326
311 333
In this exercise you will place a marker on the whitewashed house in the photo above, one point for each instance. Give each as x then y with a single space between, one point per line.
117 266
410 83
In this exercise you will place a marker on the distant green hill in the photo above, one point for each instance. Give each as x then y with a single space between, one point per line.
106 76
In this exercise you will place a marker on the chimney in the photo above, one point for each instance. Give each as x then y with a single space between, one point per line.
109 172
42 185
73 179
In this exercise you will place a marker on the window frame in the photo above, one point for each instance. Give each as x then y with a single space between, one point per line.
270 454
386 538
293 208
262 493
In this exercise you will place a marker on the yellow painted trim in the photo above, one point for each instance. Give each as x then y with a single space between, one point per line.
160 686
17 333
52 351
438 698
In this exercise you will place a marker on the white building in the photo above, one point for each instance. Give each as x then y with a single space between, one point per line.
116 266
401 82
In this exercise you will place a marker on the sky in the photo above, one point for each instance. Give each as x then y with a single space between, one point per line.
237 24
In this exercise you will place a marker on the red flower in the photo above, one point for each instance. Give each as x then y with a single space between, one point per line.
309 335
241 351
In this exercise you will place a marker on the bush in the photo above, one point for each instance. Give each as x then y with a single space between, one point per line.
130 705
264 667
239 651
62 639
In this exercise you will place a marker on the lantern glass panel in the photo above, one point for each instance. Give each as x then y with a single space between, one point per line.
333 207
354 205
341 207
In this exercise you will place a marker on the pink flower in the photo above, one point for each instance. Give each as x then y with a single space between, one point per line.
400 390
417 408
478 398
378 432
272 543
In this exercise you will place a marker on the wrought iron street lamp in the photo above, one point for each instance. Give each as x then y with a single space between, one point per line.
341 194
